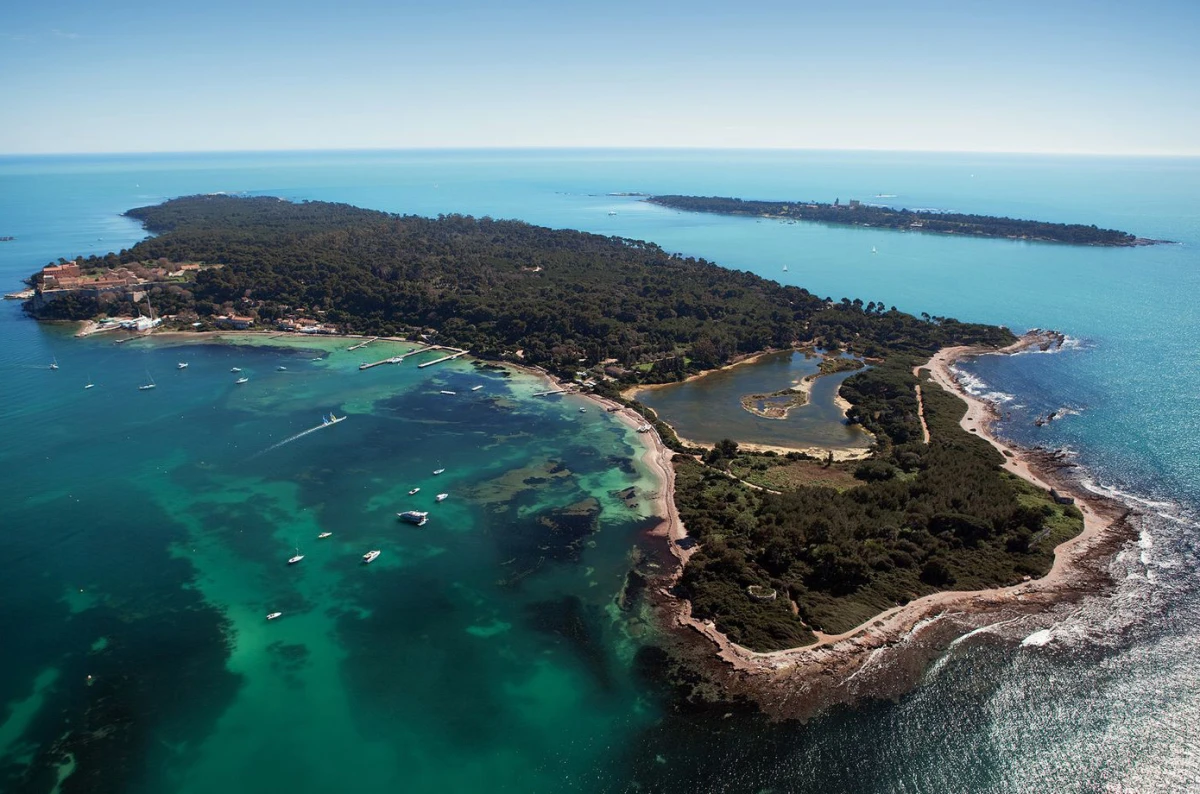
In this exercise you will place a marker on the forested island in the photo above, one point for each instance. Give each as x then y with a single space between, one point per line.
855 213
826 547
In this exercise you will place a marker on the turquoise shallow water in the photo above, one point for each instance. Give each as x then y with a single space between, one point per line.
143 539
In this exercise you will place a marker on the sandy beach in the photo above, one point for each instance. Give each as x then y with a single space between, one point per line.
886 655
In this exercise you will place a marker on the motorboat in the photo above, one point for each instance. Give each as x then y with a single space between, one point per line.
370 556
273 615
441 497
438 471
235 369
181 365
324 535
242 379
414 491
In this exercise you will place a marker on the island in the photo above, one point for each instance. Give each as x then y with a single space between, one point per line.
775 551
856 213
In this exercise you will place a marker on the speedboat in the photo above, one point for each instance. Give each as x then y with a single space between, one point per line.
413 491
242 379
414 517
235 369
583 410
370 556
181 365
448 392
441 497
438 471
324 535
273 615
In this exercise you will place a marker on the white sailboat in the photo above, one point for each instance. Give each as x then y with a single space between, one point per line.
297 557
150 385
54 363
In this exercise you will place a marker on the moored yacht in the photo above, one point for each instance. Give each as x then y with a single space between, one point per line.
370 556
324 535
438 471
235 369
413 491
441 497
297 557
414 517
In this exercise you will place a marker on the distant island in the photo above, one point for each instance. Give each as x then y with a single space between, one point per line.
778 550
855 213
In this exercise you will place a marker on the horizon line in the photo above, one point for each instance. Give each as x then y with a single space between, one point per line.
573 148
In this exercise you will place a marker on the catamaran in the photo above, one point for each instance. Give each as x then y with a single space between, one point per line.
370 556
148 386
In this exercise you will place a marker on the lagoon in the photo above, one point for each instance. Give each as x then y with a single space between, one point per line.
708 408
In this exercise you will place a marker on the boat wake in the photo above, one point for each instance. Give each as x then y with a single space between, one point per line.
326 421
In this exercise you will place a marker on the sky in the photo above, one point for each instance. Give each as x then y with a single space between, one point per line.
1063 76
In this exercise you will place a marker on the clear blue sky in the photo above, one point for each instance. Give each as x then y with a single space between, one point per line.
1047 76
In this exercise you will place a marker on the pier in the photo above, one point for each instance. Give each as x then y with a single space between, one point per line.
552 391
364 344
400 358
450 357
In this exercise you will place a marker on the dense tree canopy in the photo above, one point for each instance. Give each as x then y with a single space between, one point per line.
889 218
496 287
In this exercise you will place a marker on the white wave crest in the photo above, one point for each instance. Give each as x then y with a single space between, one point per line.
977 387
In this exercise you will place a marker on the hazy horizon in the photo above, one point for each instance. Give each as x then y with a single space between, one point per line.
1076 77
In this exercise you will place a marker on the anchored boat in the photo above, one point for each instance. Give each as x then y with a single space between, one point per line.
414 517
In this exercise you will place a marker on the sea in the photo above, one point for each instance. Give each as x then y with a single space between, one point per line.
145 533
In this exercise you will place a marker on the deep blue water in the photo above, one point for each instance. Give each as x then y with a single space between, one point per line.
1109 704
